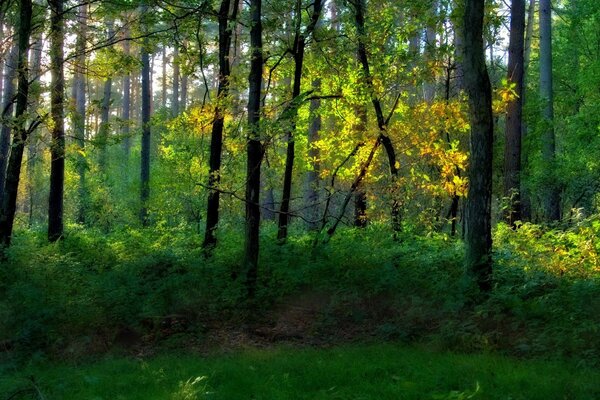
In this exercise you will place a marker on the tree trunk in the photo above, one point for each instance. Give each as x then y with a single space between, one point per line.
104 130
525 198
359 7
57 147
32 148
551 196
184 92
79 114
514 118
216 143
478 228
7 112
298 53
164 76
175 99
311 194
145 150
13 175
126 117
254 150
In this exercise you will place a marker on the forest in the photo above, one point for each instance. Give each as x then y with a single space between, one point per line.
299 199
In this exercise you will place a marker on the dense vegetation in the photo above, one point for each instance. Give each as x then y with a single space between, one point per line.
227 174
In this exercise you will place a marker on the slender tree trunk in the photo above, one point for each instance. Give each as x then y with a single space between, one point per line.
127 103
145 151
216 143
32 148
184 91
57 147
7 112
13 175
360 197
514 118
359 15
311 195
164 76
79 113
430 49
298 53
478 228
175 100
525 198
551 196
254 149
104 129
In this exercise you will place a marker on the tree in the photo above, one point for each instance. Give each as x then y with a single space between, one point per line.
225 16
478 223
514 117
254 149
298 49
13 174
57 147
7 111
551 195
79 112
145 150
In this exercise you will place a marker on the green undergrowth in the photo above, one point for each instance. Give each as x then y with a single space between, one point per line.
91 287
357 372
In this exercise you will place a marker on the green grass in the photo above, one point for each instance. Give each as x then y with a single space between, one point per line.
363 372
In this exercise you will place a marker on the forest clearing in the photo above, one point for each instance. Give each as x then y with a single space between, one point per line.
344 199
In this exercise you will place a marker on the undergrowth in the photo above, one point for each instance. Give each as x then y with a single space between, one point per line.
546 299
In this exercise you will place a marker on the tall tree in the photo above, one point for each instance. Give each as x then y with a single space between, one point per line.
57 147
10 76
13 174
145 150
254 149
478 222
104 129
79 112
551 196
514 117
175 99
298 49
216 143
127 101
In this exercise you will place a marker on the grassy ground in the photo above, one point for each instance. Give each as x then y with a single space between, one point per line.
363 372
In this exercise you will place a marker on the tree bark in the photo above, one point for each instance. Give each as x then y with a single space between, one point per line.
57 147
254 150
7 112
126 117
298 53
175 99
514 117
216 143
145 150
79 113
551 196
478 228
359 16
311 194
13 175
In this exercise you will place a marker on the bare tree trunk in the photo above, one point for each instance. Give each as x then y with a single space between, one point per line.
13 175
298 53
145 151
79 114
7 112
359 7
32 148
57 147
255 150
525 198
104 129
311 194
478 225
164 76
216 143
551 196
514 118
126 117
175 99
